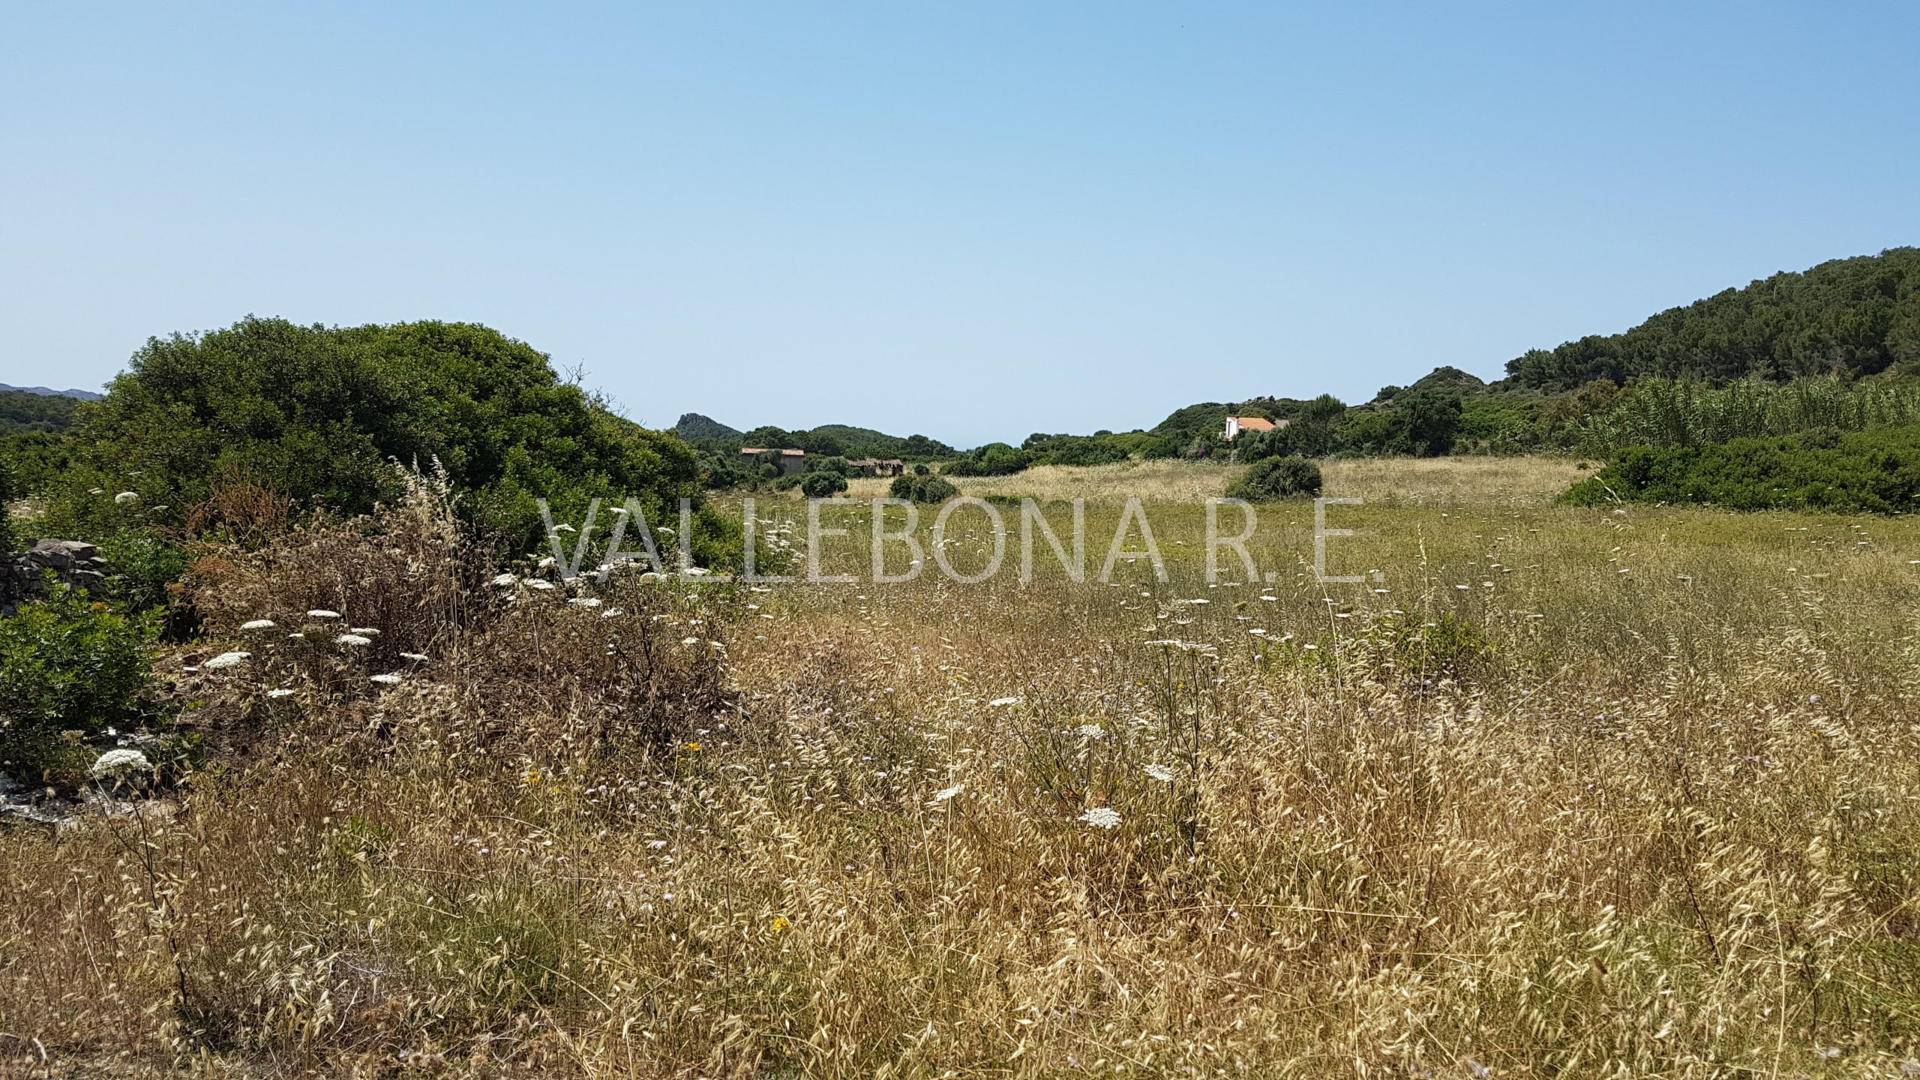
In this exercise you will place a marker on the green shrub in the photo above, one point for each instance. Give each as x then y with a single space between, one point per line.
141 565
317 414
823 484
1271 479
923 489
8 492
67 664
993 459
1875 471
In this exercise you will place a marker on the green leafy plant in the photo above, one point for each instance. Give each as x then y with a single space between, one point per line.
67 664
1272 479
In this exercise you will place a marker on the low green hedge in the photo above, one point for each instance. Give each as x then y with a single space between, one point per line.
1874 471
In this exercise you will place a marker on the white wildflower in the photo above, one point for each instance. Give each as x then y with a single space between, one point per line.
227 660
258 624
283 692
1003 702
352 640
1158 772
1092 731
386 680
125 497
119 763
364 631
504 581
1102 817
322 613
543 586
946 794
416 657
585 601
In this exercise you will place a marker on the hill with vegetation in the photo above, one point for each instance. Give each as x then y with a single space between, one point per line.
44 391
1857 316
28 410
696 428
827 440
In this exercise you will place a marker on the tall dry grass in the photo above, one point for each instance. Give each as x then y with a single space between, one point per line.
1579 793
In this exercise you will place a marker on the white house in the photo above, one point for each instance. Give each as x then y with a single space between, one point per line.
1238 424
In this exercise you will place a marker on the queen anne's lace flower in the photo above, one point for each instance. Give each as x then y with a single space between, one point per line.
226 660
386 680
257 624
119 763
945 795
352 640
1102 817
322 613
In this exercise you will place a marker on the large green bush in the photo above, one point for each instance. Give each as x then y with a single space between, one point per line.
1875 471
822 484
1272 479
67 664
316 414
922 488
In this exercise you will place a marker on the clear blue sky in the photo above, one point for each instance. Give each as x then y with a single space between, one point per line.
969 220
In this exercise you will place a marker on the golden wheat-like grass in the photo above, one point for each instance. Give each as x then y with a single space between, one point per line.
1568 793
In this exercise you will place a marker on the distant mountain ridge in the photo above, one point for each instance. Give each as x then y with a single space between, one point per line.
43 391
829 440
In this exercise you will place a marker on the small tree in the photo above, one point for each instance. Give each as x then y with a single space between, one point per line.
1272 479
822 484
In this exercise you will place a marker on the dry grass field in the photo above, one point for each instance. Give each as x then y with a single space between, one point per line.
1396 481
1564 792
